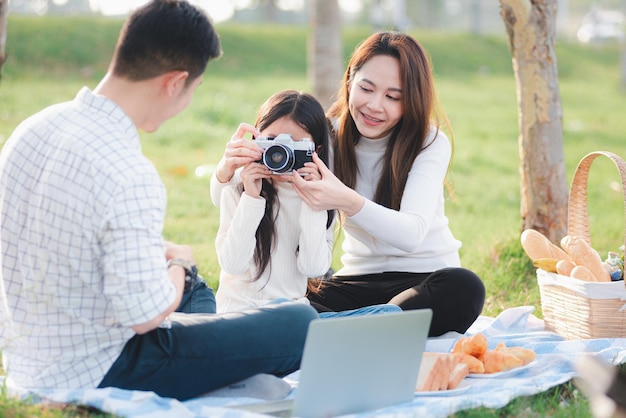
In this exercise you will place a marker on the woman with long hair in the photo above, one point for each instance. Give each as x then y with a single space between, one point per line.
388 178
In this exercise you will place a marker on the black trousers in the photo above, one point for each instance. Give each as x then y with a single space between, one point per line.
455 295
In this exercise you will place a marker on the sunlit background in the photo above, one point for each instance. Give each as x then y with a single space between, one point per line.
588 20
220 10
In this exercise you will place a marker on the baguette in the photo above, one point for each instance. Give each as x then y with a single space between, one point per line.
564 267
536 245
583 273
584 255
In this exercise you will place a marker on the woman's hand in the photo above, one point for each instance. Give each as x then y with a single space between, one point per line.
239 152
251 177
310 171
328 192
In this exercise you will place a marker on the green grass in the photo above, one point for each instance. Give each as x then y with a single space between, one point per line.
51 58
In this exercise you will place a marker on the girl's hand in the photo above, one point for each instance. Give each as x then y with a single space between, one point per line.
310 172
251 177
327 193
238 152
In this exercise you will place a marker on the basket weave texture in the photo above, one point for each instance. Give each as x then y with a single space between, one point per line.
568 308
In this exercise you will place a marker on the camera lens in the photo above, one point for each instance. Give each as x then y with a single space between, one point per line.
278 158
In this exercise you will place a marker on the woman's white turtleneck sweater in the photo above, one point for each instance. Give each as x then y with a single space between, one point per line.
414 239
417 237
303 249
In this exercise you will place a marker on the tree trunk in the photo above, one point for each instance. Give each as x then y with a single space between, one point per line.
4 23
325 50
531 30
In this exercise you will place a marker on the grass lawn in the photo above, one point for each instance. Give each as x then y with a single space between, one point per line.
475 84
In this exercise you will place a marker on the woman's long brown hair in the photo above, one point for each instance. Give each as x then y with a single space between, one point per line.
306 111
420 110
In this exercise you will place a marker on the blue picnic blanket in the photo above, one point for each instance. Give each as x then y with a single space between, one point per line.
554 365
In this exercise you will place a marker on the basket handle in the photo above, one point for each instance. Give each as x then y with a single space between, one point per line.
577 215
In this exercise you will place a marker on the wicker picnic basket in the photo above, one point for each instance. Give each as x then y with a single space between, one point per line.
577 309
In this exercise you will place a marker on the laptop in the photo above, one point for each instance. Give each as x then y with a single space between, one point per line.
355 364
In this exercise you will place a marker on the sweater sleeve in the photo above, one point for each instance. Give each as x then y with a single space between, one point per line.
217 187
405 229
316 242
240 216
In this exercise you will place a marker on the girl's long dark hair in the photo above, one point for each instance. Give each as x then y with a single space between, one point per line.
306 111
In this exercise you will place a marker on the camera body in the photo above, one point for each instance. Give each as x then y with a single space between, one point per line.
282 154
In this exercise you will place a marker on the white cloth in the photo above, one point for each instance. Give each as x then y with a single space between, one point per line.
303 249
82 258
414 239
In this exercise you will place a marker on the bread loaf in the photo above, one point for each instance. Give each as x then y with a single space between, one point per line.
564 267
536 245
429 376
583 273
584 255
460 372
440 371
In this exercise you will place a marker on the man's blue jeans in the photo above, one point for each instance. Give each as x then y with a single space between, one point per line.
201 352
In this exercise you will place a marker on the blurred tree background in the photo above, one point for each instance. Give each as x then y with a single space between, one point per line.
473 16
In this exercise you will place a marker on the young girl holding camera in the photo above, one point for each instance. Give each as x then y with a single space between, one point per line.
270 242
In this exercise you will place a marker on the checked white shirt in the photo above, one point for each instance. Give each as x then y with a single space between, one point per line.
82 257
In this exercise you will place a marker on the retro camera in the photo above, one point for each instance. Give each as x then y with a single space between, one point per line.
282 155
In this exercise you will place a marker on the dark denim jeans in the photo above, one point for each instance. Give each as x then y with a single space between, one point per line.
201 299
201 352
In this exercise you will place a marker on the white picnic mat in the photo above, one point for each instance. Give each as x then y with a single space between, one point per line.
516 327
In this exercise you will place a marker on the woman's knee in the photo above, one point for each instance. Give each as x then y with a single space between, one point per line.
458 281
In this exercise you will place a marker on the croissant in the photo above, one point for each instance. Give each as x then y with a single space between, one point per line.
473 352
474 365
476 345
500 361
525 354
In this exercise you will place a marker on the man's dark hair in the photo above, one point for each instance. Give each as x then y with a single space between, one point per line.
163 36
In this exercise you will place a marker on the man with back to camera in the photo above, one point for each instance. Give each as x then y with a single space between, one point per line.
88 288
